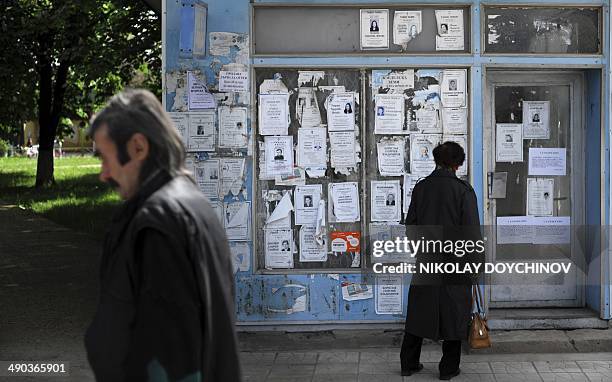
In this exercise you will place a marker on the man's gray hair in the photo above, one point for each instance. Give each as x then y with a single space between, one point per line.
138 111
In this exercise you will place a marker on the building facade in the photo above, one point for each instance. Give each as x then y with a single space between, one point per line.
307 125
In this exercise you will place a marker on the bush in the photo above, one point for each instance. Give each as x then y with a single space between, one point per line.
4 148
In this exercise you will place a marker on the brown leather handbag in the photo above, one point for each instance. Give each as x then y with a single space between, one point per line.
479 329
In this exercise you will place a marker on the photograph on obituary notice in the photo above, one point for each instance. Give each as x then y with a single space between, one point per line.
201 131
306 202
374 28
310 250
236 220
278 248
386 201
389 294
279 155
232 176
406 26
342 151
454 120
307 108
536 116
273 116
312 148
421 153
391 156
509 142
232 127
341 112
181 123
462 141
450 29
343 202
389 117
453 88
540 196
207 177
409 182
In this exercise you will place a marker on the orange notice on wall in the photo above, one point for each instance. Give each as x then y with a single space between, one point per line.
345 241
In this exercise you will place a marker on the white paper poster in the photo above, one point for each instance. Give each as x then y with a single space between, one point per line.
514 230
509 142
199 96
547 161
386 201
533 230
241 257
307 108
278 208
310 250
201 131
552 230
389 117
461 140
181 123
449 43
273 114
540 196
409 182
374 28
391 156
392 232
421 153
278 248
397 82
406 26
342 149
453 88
454 120
344 202
356 291
341 112
536 117
312 148
279 155
233 81
232 176
389 295
427 120
307 203
232 127
236 220
207 177
450 29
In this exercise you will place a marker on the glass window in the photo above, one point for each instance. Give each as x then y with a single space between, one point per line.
542 30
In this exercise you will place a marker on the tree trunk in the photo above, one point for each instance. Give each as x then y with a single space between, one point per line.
44 168
46 130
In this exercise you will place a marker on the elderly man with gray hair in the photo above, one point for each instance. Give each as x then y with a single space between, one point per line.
166 307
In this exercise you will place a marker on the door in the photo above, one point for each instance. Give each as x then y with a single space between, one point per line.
542 156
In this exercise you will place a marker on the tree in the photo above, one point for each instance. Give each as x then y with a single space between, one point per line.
65 58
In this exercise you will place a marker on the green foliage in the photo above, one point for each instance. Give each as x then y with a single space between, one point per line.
4 147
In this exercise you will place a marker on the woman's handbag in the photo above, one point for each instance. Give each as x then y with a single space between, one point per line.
479 329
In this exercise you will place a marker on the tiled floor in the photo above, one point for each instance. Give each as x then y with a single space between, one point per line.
362 366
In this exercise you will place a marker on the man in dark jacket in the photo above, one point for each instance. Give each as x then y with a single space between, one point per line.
166 308
443 208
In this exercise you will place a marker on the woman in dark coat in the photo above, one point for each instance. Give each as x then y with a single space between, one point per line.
443 207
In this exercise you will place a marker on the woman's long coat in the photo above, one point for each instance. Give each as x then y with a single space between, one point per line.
443 207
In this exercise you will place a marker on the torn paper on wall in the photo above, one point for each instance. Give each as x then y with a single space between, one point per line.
176 82
407 25
236 220
275 85
222 42
288 299
321 224
241 257
232 176
307 108
310 78
310 249
297 178
344 202
398 81
278 208
356 291
199 96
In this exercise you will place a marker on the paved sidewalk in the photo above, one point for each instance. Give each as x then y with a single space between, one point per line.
383 365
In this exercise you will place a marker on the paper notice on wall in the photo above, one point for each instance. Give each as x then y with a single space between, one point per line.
397 82
536 119
356 291
218 210
454 120
498 188
343 242
391 153
199 96
201 131
552 230
297 178
406 26
207 177
273 114
450 29
278 208
232 176
307 203
278 248
233 81
312 149
241 256
181 123
389 232
540 196
389 294
343 145
310 78
453 88
341 112
427 120
307 108
232 127
509 142
547 161
385 201
409 182
389 118
514 229
236 220
343 202
462 141
374 28
310 250
533 230
279 155
421 153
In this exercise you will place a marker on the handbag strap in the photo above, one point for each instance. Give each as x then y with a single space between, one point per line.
477 297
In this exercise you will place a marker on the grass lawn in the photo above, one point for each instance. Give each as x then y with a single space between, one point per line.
78 201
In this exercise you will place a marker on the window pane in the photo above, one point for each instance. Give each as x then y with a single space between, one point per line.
542 30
